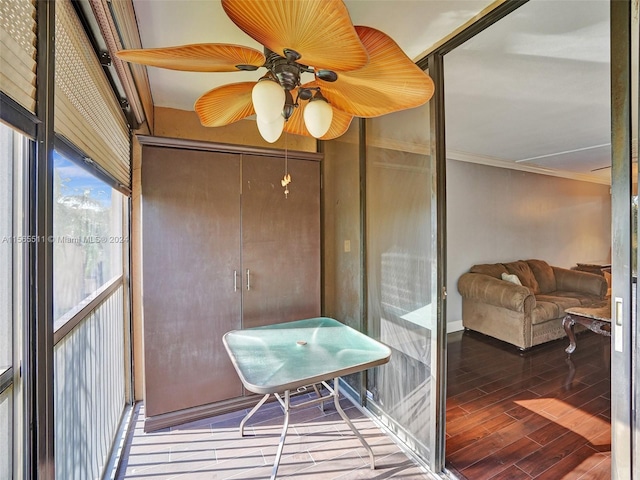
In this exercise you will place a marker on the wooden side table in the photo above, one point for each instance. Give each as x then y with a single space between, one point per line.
594 267
596 318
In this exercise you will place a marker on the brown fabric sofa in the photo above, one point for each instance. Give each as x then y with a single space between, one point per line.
530 314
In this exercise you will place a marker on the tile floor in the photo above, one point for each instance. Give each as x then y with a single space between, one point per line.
319 446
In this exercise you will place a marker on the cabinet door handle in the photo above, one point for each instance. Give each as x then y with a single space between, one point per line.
248 280
235 280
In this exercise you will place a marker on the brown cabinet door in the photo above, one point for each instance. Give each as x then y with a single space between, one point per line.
280 241
191 248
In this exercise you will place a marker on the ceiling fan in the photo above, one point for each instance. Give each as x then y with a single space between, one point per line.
357 71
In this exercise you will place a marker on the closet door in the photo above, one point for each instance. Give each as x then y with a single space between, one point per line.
191 248
280 241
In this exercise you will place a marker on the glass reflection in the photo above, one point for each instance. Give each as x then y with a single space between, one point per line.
400 269
87 235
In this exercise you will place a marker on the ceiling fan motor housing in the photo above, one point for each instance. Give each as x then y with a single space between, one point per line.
287 71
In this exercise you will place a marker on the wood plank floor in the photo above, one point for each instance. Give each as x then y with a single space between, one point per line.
533 415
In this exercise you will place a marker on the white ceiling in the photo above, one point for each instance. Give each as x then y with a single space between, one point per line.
535 89
532 89
414 24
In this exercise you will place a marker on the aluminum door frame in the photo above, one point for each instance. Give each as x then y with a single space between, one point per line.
624 118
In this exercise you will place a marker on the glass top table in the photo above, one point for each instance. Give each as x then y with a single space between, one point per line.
277 359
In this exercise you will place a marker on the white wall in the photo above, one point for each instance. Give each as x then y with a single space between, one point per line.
500 215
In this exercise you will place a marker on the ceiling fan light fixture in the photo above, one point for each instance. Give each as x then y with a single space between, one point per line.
318 115
272 130
268 99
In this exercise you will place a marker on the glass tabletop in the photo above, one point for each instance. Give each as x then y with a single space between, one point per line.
595 312
286 356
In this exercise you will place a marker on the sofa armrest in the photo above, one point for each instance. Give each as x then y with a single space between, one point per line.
487 289
578 281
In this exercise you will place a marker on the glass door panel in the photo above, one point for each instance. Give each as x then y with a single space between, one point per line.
341 223
401 274
14 245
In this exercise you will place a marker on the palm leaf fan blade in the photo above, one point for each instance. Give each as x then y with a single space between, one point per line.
319 30
390 82
199 57
226 104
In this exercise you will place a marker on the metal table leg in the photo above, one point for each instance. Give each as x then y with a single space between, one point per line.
336 400
315 387
250 414
283 435
286 405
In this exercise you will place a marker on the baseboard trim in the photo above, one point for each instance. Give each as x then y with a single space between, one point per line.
455 326
171 419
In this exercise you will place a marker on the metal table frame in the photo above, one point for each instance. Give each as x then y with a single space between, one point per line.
285 402
293 357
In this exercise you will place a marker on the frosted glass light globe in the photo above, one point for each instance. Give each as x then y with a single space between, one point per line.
272 130
268 99
318 115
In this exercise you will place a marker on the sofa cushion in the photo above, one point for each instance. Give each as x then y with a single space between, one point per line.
560 300
543 312
524 273
544 275
492 269
577 281
583 298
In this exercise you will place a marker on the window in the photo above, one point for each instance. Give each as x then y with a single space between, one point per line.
13 248
87 238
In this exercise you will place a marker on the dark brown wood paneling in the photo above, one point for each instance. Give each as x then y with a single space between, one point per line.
280 241
191 247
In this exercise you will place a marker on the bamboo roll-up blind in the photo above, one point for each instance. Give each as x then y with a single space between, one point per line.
87 112
18 51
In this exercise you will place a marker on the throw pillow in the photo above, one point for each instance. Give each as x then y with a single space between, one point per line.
511 278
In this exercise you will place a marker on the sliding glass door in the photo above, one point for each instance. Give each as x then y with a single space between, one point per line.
625 74
14 244
402 267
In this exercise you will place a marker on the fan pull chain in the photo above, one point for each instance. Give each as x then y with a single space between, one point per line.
286 180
